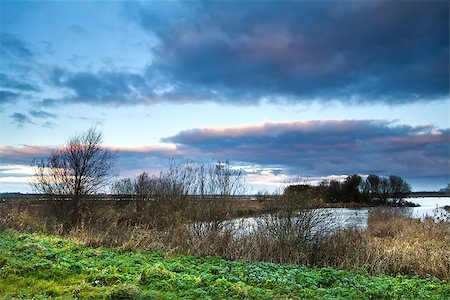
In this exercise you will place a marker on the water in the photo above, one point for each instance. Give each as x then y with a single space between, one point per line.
357 217
430 206
350 217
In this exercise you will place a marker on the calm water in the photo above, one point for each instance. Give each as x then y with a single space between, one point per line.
357 217
430 206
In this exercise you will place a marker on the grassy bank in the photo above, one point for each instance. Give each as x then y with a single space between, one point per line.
36 266
392 243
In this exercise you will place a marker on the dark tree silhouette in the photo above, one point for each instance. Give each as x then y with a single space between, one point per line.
399 188
350 188
78 169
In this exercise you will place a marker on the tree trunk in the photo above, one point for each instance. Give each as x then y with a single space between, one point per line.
77 216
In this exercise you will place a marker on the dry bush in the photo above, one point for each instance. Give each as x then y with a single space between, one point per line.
388 221
291 230
391 244
210 238
28 218
416 248
344 249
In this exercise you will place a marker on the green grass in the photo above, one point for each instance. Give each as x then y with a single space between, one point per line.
41 267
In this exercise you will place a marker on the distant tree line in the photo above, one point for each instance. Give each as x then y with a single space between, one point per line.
374 189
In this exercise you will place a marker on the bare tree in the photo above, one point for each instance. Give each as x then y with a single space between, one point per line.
372 187
122 186
222 180
192 191
78 169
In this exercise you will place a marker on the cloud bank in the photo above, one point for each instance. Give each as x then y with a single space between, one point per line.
319 148
306 148
245 53
365 51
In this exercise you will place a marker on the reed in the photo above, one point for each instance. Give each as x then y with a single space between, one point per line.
392 243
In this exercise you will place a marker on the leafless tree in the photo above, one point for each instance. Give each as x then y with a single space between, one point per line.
122 186
372 187
293 227
189 191
78 169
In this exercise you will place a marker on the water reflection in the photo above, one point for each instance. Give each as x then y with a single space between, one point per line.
357 217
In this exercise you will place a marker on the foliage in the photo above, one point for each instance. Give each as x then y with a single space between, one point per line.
373 190
41 267
398 187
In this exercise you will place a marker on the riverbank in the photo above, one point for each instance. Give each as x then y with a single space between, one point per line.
391 244
41 267
252 208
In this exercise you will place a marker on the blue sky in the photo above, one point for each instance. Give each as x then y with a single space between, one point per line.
318 89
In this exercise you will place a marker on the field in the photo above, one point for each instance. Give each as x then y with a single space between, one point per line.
166 250
40 267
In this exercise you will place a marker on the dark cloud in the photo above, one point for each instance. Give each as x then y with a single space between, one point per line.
318 148
312 149
13 47
42 114
78 30
48 124
8 97
130 159
16 61
23 155
7 82
133 160
365 51
117 88
48 102
20 119
235 52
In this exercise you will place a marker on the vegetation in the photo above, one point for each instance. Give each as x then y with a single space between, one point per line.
205 191
188 210
394 243
374 190
40 267
81 168
391 244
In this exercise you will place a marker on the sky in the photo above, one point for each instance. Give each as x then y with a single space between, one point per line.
282 89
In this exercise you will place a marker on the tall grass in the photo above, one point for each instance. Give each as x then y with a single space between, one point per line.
403 245
291 233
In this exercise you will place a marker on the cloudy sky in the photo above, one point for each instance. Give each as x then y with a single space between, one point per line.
317 89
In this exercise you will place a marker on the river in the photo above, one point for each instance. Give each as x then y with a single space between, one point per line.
357 217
